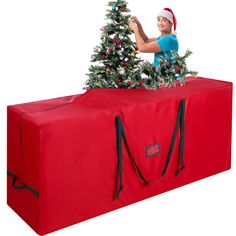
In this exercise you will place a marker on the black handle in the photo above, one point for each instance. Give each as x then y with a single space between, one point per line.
22 186
179 121
121 133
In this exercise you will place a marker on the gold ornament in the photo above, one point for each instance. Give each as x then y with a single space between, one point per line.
132 54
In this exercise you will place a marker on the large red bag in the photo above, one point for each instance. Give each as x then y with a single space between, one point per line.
76 157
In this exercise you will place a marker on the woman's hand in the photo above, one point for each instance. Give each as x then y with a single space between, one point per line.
135 19
133 26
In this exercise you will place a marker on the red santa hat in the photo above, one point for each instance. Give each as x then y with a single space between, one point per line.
169 15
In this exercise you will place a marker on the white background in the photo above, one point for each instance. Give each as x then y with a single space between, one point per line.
45 50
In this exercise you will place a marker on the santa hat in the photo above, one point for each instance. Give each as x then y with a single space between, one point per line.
169 15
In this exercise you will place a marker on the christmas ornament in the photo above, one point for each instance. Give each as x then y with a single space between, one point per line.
176 67
104 56
122 9
126 64
129 82
116 41
132 54
140 82
114 8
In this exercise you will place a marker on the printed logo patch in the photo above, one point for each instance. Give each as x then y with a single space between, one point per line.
152 150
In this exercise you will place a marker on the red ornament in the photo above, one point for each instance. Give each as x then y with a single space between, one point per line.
129 82
126 64
122 9
140 82
104 56
176 66
116 41
110 49
119 84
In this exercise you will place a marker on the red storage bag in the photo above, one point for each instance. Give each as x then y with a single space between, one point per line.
76 157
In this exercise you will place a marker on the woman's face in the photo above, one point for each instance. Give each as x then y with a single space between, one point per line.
163 24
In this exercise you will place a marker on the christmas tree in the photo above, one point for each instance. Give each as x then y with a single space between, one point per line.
115 61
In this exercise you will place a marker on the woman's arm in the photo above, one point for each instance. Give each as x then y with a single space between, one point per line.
141 44
141 31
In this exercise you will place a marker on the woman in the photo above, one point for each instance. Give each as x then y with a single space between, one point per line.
162 45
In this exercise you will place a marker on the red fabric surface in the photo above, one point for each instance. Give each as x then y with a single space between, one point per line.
65 148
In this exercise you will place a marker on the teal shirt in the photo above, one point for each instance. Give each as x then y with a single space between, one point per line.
166 43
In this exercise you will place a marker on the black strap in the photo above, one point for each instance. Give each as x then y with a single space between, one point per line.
119 152
181 155
17 187
179 120
121 133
